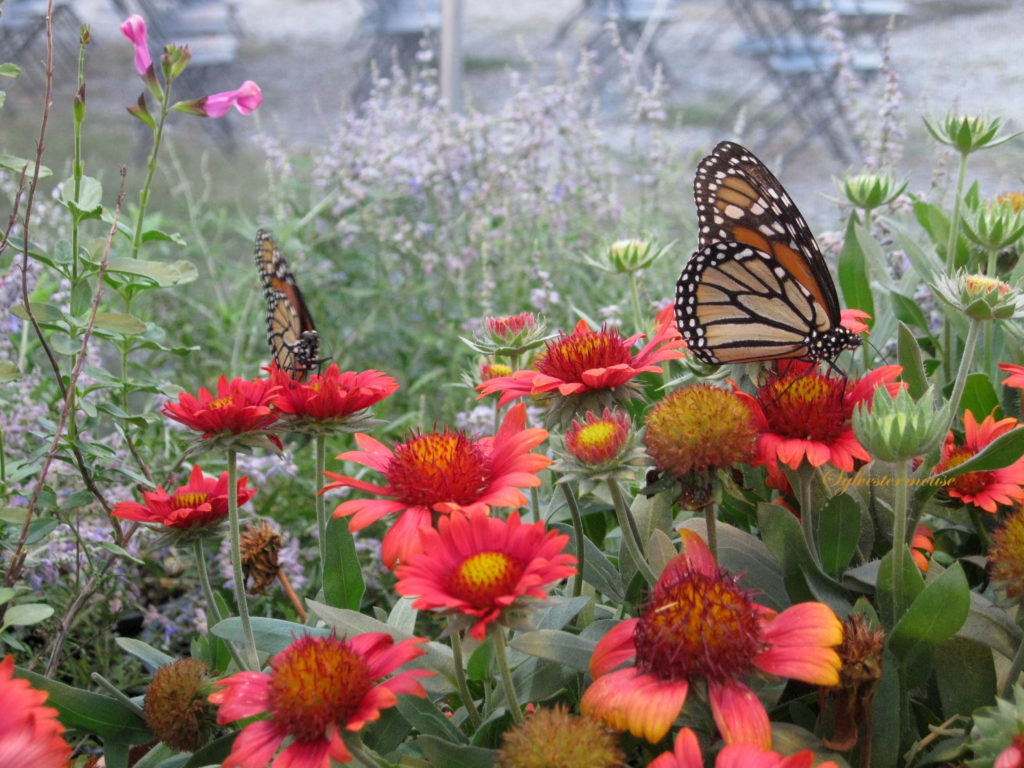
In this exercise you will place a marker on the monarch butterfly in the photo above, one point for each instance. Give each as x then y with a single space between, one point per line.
294 341
758 287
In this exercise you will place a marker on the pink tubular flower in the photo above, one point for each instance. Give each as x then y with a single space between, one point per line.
1016 377
483 569
134 28
802 413
437 473
987 489
331 395
246 98
317 688
30 733
240 406
202 502
700 624
686 754
587 360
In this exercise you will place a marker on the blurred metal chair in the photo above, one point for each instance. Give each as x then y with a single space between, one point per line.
23 34
638 24
393 32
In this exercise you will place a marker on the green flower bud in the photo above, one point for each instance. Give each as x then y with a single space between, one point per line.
967 134
980 297
897 428
995 228
995 728
871 190
629 255
174 61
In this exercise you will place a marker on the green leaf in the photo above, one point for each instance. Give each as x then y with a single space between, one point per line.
44 313
934 615
89 202
272 635
979 396
159 236
120 551
888 713
567 649
144 652
481 662
424 716
119 324
852 270
26 614
157 272
9 69
965 675
213 754
343 577
838 533
15 164
879 573
908 354
403 615
909 311
991 625
443 754
598 570
1001 452
9 372
108 718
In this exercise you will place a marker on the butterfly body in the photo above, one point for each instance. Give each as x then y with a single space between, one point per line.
758 287
291 333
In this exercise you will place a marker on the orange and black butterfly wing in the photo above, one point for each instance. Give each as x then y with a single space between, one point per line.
758 287
291 333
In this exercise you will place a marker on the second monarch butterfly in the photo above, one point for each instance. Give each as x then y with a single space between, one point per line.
758 287
294 341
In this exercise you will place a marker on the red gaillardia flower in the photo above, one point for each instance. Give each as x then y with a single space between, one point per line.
588 361
922 547
803 413
240 406
317 688
985 490
437 473
598 440
686 754
200 503
30 733
853 320
1016 377
329 396
700 624
481 570
507 327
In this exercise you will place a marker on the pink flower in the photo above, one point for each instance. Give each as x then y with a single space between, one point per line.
134 28
245 99
687 755
1016 377
853 320
30 733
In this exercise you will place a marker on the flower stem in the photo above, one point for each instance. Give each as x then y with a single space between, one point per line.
248 639
630 536
211 601
501 654
1014 672
158 135
460 680
804 475
899 542
973 331
577 528
535 503
711 523
634 297
979 528
320 458
954 222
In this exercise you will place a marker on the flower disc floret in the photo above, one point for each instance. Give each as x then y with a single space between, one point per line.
439 467
699 428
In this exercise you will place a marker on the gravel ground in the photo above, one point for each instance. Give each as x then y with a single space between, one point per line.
950 55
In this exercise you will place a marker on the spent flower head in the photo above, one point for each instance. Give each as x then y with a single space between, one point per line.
552 736
176 706
967 133
1006 556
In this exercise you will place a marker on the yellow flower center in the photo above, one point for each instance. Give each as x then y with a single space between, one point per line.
484 577
969 483
221 402
567 357
186 499
978 285
315 683
699 626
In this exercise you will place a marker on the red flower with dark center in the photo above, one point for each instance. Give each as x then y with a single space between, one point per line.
699 624
202 502
587 360
481 568
986 489
801 413
437 473
317 688
240 406
331 395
